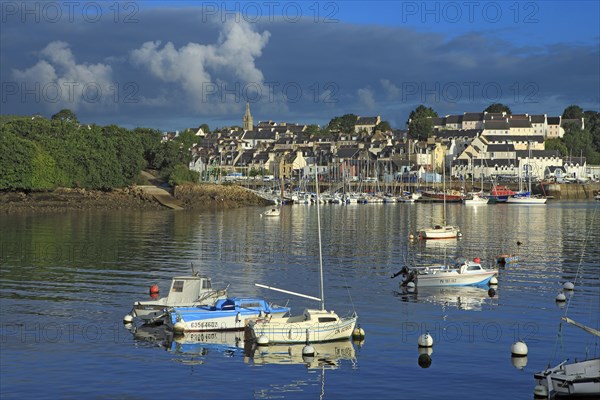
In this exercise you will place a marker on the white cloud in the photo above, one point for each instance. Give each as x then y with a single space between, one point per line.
60 82
366 97
204 71
392 90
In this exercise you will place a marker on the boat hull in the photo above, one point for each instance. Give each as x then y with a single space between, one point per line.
454 279
232 314
281 330
444 232
526 200
575 379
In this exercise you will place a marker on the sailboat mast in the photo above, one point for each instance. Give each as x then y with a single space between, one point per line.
319 236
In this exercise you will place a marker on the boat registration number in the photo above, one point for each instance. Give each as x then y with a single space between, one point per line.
447 280
204 325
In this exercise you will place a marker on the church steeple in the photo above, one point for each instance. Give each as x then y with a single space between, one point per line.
247 120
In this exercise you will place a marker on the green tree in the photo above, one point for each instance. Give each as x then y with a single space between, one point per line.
420 128
205 129
592 123
65 115
313 130
498 108
573 112
383 126
422 112
343 124
16 154
556 144
182 174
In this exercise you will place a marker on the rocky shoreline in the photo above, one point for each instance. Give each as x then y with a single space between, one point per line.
193 197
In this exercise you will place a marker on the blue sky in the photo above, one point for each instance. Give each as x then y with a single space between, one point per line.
172 65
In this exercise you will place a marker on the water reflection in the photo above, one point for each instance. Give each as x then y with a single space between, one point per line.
326 355
471 298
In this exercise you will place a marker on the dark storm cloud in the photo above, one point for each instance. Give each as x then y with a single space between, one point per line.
172 68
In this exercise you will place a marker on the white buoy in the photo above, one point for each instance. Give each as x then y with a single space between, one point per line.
411 237
493 281
262 340
519 349
540 392
127 319
519 362
128 325
358 333
561 297
179 327
410 285
308 351
568 286
425 340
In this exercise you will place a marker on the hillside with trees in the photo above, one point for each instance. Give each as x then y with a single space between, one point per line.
42 154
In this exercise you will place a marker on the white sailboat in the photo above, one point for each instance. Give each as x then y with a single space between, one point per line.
442 231
476 198
526 198
313 325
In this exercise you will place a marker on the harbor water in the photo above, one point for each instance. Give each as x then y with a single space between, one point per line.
68 279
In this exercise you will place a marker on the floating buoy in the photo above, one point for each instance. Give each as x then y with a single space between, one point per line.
477 260
308 351
519 243
459 235
561 297
425 340
493 281
519 362
411 237
179 327
491 292
540 392
358 333
127 319
519 349
410 285
568 286
262 340
128 325
154 289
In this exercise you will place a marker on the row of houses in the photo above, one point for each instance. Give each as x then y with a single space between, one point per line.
492 145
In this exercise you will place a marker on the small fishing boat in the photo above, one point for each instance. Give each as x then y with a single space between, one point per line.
185 291
225 314
462 273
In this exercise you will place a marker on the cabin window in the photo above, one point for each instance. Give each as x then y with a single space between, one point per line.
327 319
206 285
473 267
177 286
250 305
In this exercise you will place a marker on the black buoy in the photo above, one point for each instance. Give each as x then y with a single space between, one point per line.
519 243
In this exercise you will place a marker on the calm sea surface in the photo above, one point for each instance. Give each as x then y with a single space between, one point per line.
67 280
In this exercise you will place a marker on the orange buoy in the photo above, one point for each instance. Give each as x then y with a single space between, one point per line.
154 289
477 260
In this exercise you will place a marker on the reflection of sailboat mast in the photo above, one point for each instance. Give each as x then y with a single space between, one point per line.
322 383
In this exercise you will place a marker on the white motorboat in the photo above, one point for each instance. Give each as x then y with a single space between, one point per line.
313 325
463 273
475 199
194 290
273 212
